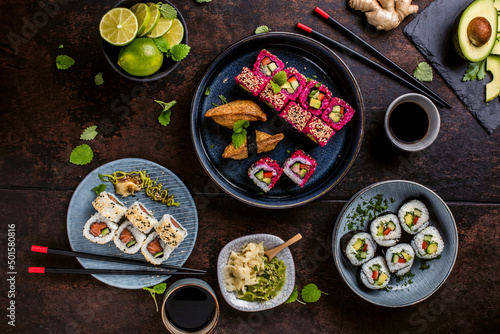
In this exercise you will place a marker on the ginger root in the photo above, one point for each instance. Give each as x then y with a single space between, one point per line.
384 14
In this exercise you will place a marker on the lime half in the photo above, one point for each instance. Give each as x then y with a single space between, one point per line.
153 21
175 34
118 26
143 14
161 28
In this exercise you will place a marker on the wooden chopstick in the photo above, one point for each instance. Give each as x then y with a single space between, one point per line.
41 249
44 270
353 54
379 55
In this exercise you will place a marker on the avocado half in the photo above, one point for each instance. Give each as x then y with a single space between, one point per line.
485 10
493 87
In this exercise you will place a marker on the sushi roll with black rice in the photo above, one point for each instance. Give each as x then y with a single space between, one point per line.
128 238
99 229
385 230
374 274
428 244
413 216
400 258
359 247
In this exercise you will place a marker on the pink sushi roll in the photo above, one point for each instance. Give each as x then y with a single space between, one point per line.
299 167
275 100
296 115
294 85
265 172
315 97
318 131
250 82
338 113
267 65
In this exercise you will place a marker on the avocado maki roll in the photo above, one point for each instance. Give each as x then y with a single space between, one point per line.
267 65
359 248
400 258
128 238
294 84
413 216
296 115
428 244
109 206
274 100
265 173
338 113
250 82
385 230
155 250
141 217
299 167
315 97
318 131
99 229
374 274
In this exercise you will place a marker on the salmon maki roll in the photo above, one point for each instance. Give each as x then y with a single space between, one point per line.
315 97
99 229
155 250
128 238
338 113
250 81
141 217
171 231
267 65
109 206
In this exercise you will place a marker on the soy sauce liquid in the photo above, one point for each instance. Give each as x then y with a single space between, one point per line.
409 122
190 308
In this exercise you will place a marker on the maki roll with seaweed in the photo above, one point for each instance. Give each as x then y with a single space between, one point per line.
295 83
299 167
374 274
141 217
359 248
385 230
318 131
250 81
296 115
109 206
274 100
155 250
400 258
338 113
428 244
99 229
265 173
315 97
171 231
128 238
413 216
267 65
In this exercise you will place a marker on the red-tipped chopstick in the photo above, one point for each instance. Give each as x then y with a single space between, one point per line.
44 270
355 55
378 54
41 249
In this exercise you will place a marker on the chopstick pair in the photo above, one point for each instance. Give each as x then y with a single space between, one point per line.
46 250
406 79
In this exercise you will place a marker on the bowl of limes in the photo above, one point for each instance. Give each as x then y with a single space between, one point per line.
144 41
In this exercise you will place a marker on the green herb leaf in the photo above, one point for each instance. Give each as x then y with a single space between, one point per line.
276 88
280 78
64 62
179 51
293 297
238 138
315 76
60 46
240 125
423 72
162 44
99 189
310 293
98 80
81 155
157 289
223 99
255 268
207 91
475 70
215 104
168 12
261 29
89 133
101 177
164 117
211 146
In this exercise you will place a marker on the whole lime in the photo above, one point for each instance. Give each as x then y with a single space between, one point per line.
141 57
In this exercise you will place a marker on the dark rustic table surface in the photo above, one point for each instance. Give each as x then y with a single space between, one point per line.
44 110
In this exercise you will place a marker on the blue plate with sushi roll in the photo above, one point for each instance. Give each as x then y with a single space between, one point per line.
370 248
81 209
331 162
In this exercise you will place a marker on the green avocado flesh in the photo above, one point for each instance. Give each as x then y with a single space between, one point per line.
461 39
493 87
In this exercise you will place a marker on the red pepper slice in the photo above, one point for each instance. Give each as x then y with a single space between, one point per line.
387 231
321 96
265 61
304 166
341 110
402 260
375 275
268 175
415 219
365 248
425 245
292 79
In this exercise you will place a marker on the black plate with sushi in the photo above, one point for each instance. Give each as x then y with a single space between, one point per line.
395 243
331 161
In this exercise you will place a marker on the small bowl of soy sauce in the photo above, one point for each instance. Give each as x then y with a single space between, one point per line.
412 122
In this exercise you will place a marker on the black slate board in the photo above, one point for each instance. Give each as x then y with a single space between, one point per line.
431 33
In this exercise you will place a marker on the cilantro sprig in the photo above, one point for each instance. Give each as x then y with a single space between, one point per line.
475 71
164 117
239 132
157 289
423 72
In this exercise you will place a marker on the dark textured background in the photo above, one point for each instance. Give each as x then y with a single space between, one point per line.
43 112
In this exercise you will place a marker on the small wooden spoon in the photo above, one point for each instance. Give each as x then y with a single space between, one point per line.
271 253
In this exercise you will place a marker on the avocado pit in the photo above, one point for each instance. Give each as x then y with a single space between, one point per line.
479 31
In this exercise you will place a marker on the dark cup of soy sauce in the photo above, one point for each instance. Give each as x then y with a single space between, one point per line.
412 122
190 306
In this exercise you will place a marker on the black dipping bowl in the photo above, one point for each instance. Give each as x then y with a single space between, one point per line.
111 52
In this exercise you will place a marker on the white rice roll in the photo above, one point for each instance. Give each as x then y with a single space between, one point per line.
360 248
99 233
155 258
109 206
141 217
385 230
428 244
413 216
137 238
375 281
400 258
171 231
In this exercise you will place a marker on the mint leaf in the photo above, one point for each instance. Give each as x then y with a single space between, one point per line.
64 62
423 72
240 125
164 117
179 51
60 46
261 29
276 88
168 12
475 70
238 138
89 133
81 155
211 146
101 177
207 91
280 78
99 189
293 297
311 293
157 289
223 99
162 44
98 80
